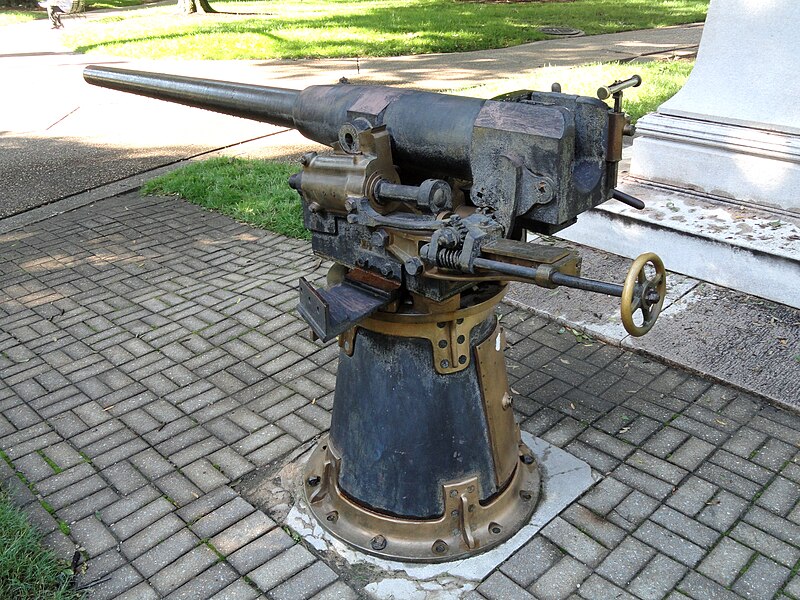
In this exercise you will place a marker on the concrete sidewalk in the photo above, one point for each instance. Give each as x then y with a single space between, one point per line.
152 371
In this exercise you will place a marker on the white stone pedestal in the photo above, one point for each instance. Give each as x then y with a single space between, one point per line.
718 165
734 129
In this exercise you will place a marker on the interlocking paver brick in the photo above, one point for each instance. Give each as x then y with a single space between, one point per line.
123 477
656 580
238 590
184 569
691 453
762 579
340 591
575 542
681 524
166 552
76 492
597 588
142 591
698 587
497 587
692 496
564 578
605 496
774 454
670 543
206 584
780 496
90 505
793 587
657 467
766 544
724 563
151 535
633 510
625 561
140 518
531 561
745 442
92 535
222 518
722 511
306 583
242 533
205 475
109 575
205 504
280 568
728 480
741 466
274 450
595 526
782 529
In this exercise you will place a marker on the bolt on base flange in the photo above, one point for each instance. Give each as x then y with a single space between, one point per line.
466 528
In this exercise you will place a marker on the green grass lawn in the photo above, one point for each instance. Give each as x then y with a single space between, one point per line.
27 570
257 192
660 81
11 16
252 191
347 28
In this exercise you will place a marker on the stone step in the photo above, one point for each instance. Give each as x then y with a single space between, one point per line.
750 249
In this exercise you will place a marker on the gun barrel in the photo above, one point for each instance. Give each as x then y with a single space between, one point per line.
429 130
258 103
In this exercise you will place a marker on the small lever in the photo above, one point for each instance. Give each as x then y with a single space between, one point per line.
627 199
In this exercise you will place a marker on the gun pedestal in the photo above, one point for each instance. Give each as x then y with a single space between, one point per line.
424 460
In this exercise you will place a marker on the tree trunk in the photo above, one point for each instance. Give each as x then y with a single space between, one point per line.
192 6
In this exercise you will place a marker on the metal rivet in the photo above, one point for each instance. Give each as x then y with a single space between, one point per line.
527 459
471 489
442 343
378 542
455 513
461 339
459 321
314 480
440 546
525 495
332 516
495 528
441 325
445 364
453 493
462 359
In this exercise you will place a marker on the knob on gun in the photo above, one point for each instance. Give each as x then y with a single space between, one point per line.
616 88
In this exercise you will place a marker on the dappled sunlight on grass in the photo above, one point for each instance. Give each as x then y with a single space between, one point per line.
346 28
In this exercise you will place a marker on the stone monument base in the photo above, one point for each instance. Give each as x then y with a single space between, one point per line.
724 160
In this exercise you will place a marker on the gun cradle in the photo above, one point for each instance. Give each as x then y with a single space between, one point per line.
422 205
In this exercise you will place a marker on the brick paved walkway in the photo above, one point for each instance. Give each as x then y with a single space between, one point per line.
150 359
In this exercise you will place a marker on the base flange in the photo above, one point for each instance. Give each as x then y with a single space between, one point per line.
466 528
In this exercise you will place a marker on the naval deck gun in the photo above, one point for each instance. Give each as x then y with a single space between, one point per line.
423 205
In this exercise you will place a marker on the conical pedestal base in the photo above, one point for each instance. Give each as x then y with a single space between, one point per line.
424 461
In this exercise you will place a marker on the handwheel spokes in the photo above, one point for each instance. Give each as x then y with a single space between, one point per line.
635 291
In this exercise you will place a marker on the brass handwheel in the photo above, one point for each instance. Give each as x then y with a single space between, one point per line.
643 293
